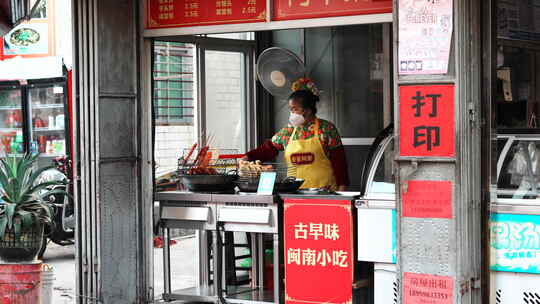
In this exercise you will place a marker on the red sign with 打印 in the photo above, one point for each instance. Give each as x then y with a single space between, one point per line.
318 251
426 121
183 13
427 199
304 9
426 288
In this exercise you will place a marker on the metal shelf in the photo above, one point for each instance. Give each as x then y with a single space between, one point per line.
48 130
44 106
10 129
48 106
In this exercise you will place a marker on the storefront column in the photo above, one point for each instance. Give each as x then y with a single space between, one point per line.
439 222
111 250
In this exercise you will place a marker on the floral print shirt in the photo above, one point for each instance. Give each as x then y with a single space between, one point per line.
328 135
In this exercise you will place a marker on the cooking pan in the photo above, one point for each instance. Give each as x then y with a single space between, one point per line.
287 186
208 183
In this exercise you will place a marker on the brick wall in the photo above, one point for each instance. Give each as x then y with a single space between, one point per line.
170 144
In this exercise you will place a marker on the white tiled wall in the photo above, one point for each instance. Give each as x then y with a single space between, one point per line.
170 144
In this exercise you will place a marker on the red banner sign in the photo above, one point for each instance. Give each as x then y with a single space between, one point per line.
318 251
426 288
182 13
303 9
428 199
426 121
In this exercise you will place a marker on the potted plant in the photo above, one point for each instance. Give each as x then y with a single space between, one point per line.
24 211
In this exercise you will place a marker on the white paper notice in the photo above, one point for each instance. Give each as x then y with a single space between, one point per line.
425 34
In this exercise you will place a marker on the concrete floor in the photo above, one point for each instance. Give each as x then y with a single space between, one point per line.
183 266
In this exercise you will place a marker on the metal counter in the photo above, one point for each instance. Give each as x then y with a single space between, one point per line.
213 215
189 211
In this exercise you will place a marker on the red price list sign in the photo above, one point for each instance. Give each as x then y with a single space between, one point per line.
303 9
426 121
318 251
184 13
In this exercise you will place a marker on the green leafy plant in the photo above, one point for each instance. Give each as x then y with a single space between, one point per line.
24 203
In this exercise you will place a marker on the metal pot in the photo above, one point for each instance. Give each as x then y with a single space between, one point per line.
208 183
287 186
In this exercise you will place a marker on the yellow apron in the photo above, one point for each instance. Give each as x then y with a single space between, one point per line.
310 161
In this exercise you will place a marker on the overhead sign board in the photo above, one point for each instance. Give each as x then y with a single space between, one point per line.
190 13
185 13
304 9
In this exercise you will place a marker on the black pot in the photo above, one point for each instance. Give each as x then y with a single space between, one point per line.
208 183
23 249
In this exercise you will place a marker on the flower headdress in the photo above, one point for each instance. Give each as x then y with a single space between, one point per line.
305 83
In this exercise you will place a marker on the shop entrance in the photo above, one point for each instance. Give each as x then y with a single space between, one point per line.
205 91
514 166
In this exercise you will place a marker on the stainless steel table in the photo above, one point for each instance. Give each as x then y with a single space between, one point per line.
190 211
212 215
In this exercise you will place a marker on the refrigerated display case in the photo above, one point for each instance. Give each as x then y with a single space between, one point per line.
514 222
33 117
11 119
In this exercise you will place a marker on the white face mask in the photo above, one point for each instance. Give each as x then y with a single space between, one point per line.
296 119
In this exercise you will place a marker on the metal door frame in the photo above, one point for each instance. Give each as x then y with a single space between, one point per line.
247 47
488 165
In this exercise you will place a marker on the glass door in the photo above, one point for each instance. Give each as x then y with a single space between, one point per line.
47 118
11 121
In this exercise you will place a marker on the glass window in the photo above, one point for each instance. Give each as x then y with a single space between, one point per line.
384 179
11 122
48 119
225 99
174 83
519 176
357 64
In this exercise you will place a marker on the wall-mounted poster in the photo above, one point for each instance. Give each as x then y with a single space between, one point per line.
33 38
27 39
426 121
515 242
425 36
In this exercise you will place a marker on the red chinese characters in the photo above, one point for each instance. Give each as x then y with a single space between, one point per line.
426 288
181 13
426 121
302 9
427 199
318 251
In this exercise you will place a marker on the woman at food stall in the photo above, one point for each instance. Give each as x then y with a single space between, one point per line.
312 145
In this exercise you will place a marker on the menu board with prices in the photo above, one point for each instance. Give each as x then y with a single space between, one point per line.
304 9
185 13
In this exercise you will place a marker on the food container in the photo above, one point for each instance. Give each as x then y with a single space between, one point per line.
208 183
286 186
